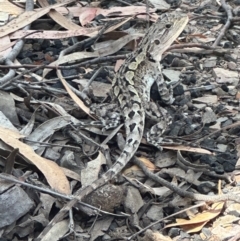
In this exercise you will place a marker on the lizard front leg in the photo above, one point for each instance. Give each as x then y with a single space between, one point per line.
163 119
108 115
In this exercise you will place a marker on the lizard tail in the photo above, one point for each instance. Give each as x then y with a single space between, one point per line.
134 125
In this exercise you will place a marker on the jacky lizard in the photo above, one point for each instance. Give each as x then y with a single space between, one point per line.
131 89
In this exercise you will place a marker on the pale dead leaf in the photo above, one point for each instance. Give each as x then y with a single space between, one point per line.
51 34
160 4
59 18
26 18
71 174
91 172
118 64
73 95
87 16
8 7
155 236
150 166
193 228
134 168
225 221
188 148
53 173
113 48
5 46
57 231
195 224
63 21
213 99
120 11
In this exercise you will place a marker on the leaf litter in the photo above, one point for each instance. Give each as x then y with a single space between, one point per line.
51 138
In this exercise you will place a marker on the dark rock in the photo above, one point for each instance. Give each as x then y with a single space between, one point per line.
45 44
227 160
24 54
219 108
173 232
208 159
234 131
52 51
184 101
178 90
36 46
227 45
218 168
69 72
224 88
58 43
189 129
227 123
175 128
195 157
26 61
107 197
237 2
234 213
99 17
195 93
228 167
205 187
210 143
37 56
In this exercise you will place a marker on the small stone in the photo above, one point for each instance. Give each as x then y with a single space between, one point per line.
210 62
178 90
27 47
221 140
36 46
232 65
155 213
26 61
226 76
206 187
133 200
173 232
107 197
45 44
209 116
207 159
69 72
222 147
172 75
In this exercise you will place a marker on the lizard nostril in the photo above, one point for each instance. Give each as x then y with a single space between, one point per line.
168 25
156 41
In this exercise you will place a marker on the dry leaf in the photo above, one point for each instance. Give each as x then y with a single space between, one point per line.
26 18
91 172
188 148
195 224
73 95
213 99
87 16
53 173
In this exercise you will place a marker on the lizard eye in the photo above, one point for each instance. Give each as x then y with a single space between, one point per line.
156 41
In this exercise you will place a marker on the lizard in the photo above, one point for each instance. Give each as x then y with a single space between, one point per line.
131 89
